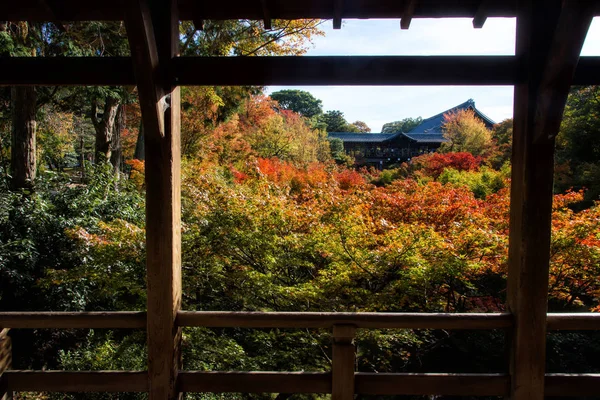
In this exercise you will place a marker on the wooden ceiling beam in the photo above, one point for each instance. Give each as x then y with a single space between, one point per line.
331 70
77 10
407 14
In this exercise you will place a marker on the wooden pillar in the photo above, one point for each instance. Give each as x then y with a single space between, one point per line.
550 34
343 362
5 361
153 32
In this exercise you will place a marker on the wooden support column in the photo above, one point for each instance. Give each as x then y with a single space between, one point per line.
343 362
153 32
550 34
5 362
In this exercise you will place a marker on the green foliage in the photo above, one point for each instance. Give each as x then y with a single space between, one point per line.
482 183
578 147
298 101
403 125
335 122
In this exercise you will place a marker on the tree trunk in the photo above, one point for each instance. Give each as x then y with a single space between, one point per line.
23 157
139 153
104 127
116 158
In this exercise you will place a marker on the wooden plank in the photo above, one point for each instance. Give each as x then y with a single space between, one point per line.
334 70
348 70
254 382
342 377
570 385
407 14
549 39
79 71
74 320
573 321
432 384
242 319
153 30
76 10
68 381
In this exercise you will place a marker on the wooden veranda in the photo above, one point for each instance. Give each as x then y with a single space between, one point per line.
550 34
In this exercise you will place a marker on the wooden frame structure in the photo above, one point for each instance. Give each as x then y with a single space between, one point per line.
550 34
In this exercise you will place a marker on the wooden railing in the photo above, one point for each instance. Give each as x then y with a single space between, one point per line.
342 381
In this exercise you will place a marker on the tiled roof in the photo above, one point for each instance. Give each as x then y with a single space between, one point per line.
429 131
362 137
426 137
434 124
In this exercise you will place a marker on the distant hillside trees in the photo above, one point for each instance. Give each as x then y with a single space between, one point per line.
403 125
298 101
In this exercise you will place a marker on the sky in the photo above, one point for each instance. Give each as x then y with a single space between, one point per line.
377 105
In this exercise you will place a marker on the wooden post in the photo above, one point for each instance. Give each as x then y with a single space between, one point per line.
153 32
5 361
550 34
343 362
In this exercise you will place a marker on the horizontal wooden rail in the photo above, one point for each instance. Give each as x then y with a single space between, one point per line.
325 70
231 319
570 385
68 381
573 321
294 382
254 382
242 319
73 320
430 384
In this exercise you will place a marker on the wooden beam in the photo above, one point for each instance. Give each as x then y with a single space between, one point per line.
74 320
569 385
407 14
266 14
306 70
481 14
342 377
68 381
254 382
241 319
338 5
343 70
550 35
432 384
153 31
573 321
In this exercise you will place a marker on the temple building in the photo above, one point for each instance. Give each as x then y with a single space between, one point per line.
381 149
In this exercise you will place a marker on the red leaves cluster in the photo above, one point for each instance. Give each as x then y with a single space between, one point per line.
433 164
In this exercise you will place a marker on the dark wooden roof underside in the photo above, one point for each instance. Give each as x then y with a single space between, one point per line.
77 10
